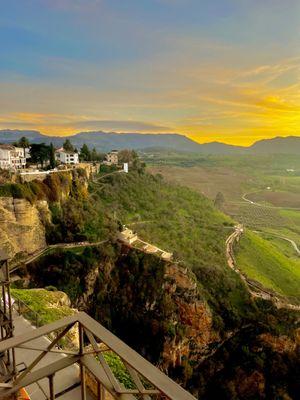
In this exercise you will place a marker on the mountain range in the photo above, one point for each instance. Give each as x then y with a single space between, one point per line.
104 141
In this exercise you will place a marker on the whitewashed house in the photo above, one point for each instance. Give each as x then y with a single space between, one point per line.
66 157
12 157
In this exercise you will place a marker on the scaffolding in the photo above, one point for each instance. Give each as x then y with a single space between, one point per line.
7 356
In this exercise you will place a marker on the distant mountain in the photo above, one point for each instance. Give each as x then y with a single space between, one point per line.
107 141
13 135
277 145
104 141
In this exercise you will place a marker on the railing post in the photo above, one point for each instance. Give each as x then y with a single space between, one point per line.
51 387
100 391
82 368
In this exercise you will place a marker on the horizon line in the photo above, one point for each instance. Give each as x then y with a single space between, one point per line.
148 133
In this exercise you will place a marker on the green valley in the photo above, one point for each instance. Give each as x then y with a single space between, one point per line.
179 313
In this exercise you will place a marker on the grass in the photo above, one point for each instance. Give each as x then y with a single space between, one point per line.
182 222
292 216
43 302
264 262
283 245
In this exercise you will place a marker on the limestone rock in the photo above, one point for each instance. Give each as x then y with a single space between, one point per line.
21 228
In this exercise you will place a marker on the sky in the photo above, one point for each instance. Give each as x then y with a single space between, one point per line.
214 70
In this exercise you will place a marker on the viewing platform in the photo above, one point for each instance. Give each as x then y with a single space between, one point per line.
43 364
131 238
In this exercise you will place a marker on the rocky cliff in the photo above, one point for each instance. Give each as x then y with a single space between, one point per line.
21 225
191 313
25 208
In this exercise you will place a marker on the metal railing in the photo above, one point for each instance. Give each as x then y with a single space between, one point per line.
23 309
148 382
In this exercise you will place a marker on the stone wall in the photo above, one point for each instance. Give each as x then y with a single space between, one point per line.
41 175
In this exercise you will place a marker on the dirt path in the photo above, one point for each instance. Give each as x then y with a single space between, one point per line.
44 250
255 290
293 244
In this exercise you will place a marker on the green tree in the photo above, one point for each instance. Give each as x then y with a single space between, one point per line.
219 200
68 145
85 154
52 156
22 142
39 153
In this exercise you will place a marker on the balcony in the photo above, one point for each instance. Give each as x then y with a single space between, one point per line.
95 378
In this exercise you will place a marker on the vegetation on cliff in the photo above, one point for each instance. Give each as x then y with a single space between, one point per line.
185 223
48 305
250 367
55 187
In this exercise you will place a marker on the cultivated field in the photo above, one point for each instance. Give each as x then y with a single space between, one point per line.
207 180
276 198
264 257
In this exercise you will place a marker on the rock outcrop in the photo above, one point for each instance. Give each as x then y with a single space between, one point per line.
192 314
21 226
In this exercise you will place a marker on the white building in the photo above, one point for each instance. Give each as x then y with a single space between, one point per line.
127 236
66 157
12 157
112 158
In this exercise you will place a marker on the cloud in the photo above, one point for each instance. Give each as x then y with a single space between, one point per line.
124 126
70 123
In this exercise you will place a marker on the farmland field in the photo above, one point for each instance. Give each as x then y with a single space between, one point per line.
207 180
273 194
276 198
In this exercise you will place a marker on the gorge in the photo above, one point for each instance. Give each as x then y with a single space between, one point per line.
192 316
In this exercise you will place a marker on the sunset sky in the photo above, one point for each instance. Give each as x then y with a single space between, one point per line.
225 70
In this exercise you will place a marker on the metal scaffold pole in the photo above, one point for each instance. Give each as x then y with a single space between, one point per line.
7 358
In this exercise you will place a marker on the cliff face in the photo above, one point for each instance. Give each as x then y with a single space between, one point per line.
187 329
24 214
21 225
192 314
156 307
